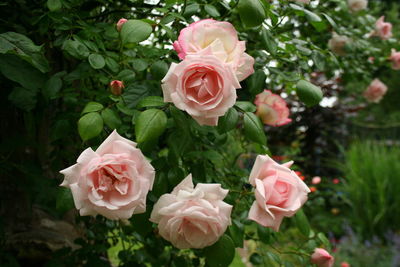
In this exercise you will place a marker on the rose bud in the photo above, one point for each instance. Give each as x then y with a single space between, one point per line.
316 180
116 87
322 258
120 23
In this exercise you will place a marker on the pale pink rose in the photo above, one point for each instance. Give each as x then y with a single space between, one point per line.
357 5
316 180
192 217
116 87
344 264
322 258
375 91
395 58
337 44
222 38
202 85
272 109
120 23
382 29
112 181
371 60
279 192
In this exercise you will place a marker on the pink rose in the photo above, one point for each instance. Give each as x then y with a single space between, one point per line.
316 180
272 109
279 192
116 87
112 181
322 258
344 264
201 85
120 23
192 217
338 43
222 38
357 5
375 91
395 58
382 29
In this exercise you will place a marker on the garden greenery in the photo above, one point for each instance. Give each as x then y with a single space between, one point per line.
157 98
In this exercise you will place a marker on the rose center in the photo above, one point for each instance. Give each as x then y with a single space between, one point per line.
202 85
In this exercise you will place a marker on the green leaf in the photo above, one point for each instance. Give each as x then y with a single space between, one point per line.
127 76
52 87
304 50
256 82
92 107
324 240
268 41
54 5
308 93
253 128
315 20
221 253
228 121
246 106
76 49
135 31
112 64
236 232
159 69
302 223
150 124
212 10
251 13
264 234
318 59
97 61
134 93
151 101
23 98
90 125
111 118
191 10
139 64
18 70
64 200
24 48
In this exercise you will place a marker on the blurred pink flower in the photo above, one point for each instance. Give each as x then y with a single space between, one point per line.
316 180
272 109
120 23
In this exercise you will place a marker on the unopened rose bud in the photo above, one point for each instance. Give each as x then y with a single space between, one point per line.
120 23
344 264
316 180
116 87
336 181
322 258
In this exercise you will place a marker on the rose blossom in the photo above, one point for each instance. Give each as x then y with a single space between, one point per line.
112 181
382 29
279 192
272 109
201 85
344 264
116 87
316 180
357 5
120 23
395 58
322 258
192 217
337 44
222 38
375 91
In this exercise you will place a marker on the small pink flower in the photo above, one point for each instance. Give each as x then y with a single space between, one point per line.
116 87
112 181
192 217
395 58
221 37
371 60
382 29
272 109
202 85
120 23
375 91
316 180
344 264
322 258
336 181
279 192
357 5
